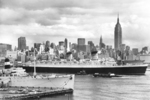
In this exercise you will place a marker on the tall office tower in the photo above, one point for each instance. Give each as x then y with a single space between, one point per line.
118 36
81 41
66 43
47 46
37 46
21 43
91 45
100 42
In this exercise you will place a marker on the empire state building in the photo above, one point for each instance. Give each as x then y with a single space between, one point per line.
117 36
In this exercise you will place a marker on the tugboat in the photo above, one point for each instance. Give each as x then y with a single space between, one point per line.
83 72
109 75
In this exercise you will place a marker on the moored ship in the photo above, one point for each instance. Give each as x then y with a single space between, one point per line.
19 78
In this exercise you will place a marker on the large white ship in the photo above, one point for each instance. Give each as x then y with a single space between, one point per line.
89 67
18 77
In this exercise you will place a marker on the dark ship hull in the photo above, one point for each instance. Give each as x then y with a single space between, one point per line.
122 70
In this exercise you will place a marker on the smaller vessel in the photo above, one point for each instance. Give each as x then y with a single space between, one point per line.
83 72
19 78
109 75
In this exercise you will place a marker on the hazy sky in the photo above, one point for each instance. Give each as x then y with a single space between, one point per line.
55 20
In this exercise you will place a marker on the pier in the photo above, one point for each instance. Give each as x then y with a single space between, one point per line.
17 93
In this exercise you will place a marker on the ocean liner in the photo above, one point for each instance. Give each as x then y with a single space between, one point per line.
88 67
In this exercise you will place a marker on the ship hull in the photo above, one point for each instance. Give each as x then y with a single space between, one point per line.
122 70
51 82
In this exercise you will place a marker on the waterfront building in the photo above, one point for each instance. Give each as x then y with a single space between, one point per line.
81 41
145 57
21 43
118 36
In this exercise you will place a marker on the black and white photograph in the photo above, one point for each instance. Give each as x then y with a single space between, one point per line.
74 50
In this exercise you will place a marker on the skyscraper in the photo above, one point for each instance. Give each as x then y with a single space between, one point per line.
100 42
81 41
66 43
117 35
21 43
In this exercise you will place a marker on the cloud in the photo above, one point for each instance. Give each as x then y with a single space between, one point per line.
52 19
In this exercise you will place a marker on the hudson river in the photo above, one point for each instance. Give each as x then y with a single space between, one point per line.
128 87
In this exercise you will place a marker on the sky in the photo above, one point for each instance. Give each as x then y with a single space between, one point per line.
55 20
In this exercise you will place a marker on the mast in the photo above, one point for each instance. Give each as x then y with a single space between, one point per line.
34 64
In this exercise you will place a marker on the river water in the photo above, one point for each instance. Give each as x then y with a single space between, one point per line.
128 87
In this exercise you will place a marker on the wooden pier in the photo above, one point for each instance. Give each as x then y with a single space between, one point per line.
14 93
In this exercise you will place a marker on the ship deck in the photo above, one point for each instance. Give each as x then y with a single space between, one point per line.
85 65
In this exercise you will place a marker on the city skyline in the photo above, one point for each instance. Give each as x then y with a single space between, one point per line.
57 20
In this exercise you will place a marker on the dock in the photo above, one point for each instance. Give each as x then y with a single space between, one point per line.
17 93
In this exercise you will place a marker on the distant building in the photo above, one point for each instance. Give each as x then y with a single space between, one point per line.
27 47
21 43
37 46
101 43
52 45
61 43
118 36
144 50
122 47
41 48
127 48
70 45
4 48
91 45
146 58
74 46
81 41
8 46
12 54
135 51
47 46
81 48
66 43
